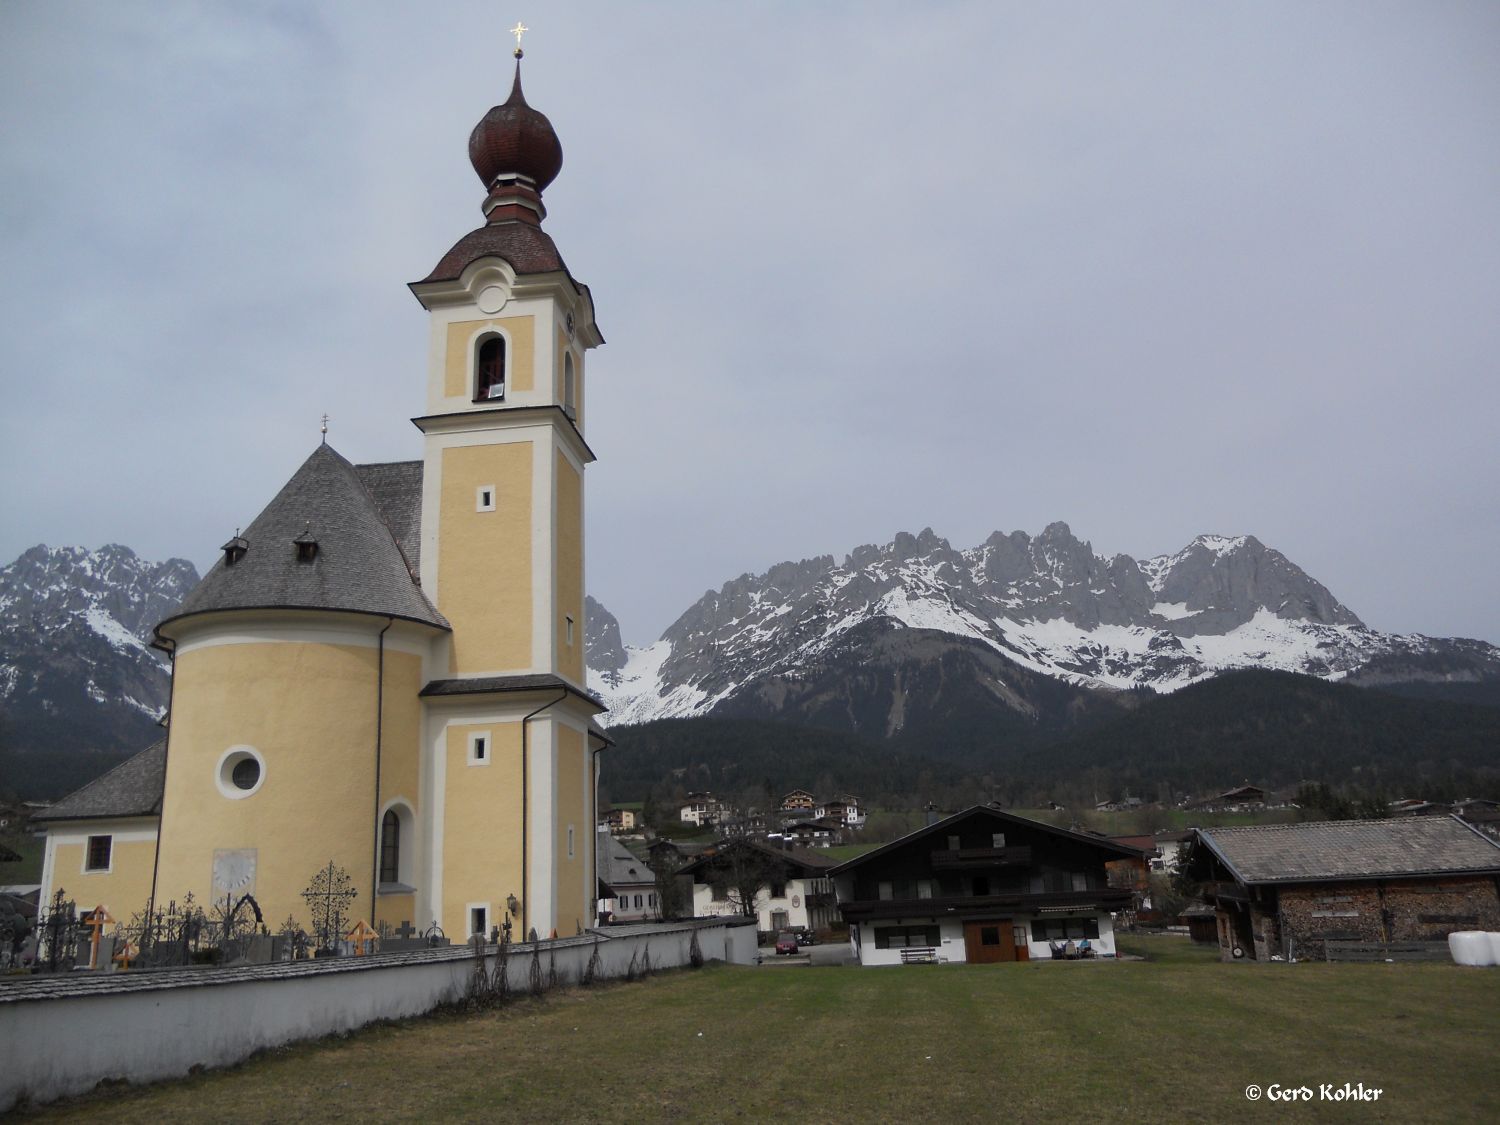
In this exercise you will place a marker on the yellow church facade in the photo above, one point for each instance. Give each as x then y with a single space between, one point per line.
385 671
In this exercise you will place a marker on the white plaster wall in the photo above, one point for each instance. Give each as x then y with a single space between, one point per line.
143 1027
1104 944
950 946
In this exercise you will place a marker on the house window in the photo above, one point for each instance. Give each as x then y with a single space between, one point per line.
909 937
924 888
997 840
887 892
778 890
1062 929
484 498
568 383
1080 881
489 371
720 894
953 844
637 902
651 900
989 935
981 886
479 748
478 920
390 847
99 853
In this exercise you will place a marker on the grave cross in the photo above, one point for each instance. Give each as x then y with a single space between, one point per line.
98 918
128 953
361 936
406 931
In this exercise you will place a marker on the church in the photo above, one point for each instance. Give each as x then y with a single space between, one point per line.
385 669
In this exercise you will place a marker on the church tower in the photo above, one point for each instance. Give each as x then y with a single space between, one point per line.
502 554
383 677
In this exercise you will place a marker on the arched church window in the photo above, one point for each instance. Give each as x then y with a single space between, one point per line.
568 386
390 847
489 370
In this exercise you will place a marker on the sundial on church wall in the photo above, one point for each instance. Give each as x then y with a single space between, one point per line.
234 871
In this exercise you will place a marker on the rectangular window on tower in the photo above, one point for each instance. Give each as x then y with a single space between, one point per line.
479 748
569 620
484 498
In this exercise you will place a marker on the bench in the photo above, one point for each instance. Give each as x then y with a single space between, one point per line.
927 956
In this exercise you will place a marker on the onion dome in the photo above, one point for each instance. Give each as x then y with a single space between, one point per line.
515 152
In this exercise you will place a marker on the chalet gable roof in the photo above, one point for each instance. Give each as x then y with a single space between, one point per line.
944 826
800 862
1352 849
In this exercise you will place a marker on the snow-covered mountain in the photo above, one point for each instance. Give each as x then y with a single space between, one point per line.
1044 605
75 663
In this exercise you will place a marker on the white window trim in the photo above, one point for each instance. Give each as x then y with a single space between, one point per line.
107 869
469 909
489 748
476 342
480 505
224 767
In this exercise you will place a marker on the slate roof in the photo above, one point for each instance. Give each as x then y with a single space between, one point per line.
133 788
618 866
359 567
396 488
1351 849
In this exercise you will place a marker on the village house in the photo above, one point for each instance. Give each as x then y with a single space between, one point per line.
627 886
845 809
791 886
1286 889
982 885
702 809
799 800
1242 798
823 833
621 820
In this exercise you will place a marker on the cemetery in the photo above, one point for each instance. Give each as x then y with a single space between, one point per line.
184 986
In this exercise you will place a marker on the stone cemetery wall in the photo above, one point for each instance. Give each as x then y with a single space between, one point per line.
61 1035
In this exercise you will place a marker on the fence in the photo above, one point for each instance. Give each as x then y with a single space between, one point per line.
63 1034
1385 950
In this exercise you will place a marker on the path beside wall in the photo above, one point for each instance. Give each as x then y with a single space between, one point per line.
61 1035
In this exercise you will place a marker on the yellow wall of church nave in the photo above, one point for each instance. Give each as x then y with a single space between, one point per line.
570 659
481 825
574 901
457 362
484 562
124 889
308 711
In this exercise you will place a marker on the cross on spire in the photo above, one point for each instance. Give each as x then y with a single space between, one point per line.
519 30
325 429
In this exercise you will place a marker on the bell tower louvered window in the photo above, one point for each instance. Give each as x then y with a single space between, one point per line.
489 371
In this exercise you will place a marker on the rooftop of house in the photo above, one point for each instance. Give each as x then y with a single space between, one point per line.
133 788
1351 849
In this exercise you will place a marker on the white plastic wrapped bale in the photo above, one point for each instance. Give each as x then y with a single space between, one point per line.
1472 947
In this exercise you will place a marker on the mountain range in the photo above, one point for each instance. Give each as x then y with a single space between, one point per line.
1019 632
977 656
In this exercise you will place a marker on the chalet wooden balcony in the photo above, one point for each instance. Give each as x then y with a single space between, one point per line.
972 859
1101 898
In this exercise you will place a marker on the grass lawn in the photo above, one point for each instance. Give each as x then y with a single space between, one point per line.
842 852
1176 1037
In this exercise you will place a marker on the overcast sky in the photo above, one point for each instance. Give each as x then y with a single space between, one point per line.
1152 269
